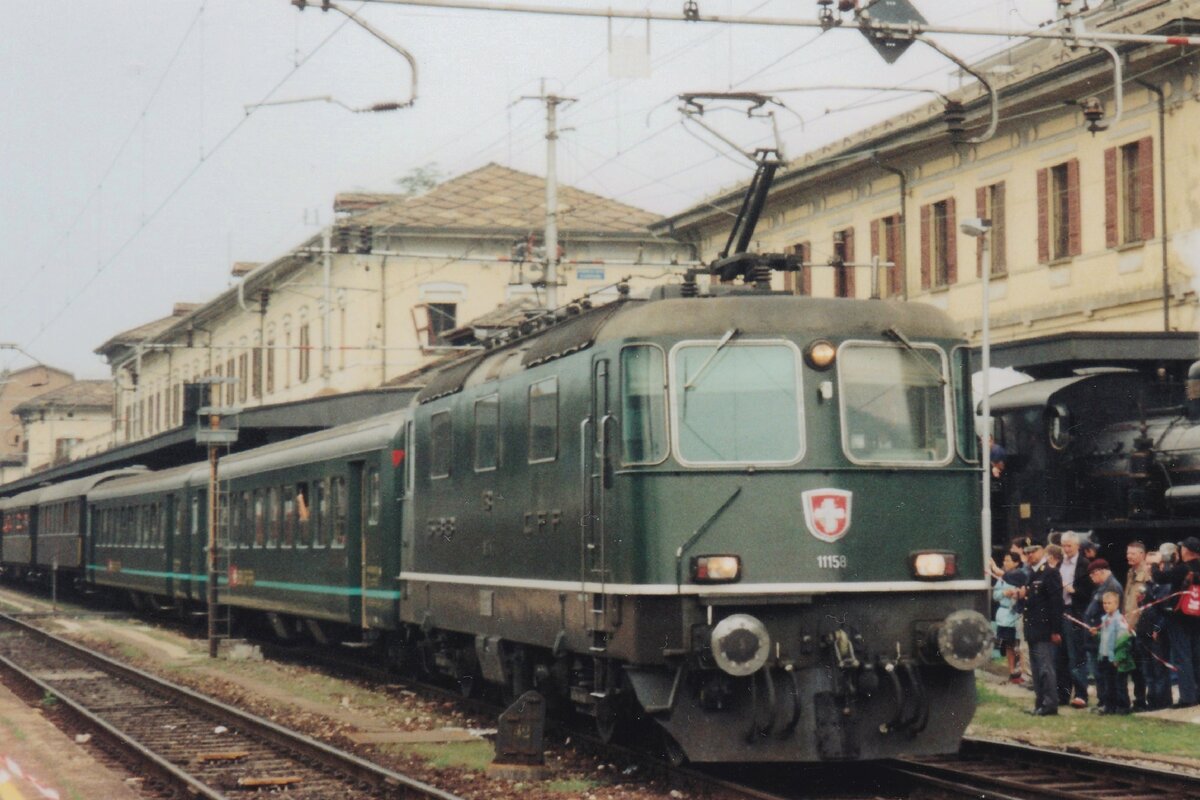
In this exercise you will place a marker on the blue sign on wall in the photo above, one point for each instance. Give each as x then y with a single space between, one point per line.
589 273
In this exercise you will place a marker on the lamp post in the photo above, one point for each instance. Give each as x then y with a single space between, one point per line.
979 228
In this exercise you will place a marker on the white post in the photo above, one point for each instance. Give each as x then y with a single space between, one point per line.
551 235
326 333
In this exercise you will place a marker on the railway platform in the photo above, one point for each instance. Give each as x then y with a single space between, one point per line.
40 762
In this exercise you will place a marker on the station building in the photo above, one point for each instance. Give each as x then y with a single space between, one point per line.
57 422
390 288
1096 221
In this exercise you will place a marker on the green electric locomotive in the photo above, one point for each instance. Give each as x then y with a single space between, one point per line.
752 518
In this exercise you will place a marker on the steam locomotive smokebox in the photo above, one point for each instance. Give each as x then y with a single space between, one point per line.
519 754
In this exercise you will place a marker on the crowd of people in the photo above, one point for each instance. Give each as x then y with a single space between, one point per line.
1063 619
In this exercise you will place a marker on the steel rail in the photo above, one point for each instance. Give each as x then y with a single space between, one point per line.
341 762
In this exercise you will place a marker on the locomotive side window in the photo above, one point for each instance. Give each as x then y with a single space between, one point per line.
894 404
440 443
487 426
964 412
643 404
736 403
543 421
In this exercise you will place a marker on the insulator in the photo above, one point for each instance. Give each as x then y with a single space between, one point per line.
955 117
691 10
585 304
526 327
760 275
573 310
689 288
623 289
845 6
1093 112
264 297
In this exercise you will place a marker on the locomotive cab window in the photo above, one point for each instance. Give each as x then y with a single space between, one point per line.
543 421
440 442
487 426
736 402
643 404
895 406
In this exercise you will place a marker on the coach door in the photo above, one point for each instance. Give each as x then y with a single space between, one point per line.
375 605
596 467
355 549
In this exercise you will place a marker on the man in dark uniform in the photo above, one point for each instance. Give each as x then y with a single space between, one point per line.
1043 597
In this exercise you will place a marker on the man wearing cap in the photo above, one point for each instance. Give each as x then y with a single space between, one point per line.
1136 581
1043 610
1072 666
1185 630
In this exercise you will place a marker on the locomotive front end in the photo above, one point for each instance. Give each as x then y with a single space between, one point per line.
821 510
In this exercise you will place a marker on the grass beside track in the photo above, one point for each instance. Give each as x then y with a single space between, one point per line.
1003 716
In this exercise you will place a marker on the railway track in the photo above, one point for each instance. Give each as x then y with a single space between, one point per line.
190 745
992 770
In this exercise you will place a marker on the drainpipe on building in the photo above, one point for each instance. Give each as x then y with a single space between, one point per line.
899 173
383 351
1162 197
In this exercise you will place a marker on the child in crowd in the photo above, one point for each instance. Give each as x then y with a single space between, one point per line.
1004 593
1111 674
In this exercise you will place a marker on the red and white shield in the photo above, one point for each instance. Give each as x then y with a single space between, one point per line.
827 513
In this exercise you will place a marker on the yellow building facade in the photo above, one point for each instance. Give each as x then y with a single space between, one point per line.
1092 229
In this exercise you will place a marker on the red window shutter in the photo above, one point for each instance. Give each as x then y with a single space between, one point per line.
1043 211
951 242
806 274
1146 186
998 236
1111 239
849 255
981 211
1074 218
926 216
896 248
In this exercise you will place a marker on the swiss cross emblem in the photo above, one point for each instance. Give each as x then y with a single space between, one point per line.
827 513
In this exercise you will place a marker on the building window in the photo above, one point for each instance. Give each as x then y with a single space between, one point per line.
442 318
1058 212
843 256
989 204
62 449
886 246
270 366
305 352
939 242
256 382
243 376
1129 193
229 387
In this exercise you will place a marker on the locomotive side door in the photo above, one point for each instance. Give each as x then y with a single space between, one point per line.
595 464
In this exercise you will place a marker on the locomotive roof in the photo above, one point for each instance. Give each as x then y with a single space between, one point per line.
1036 394
26 498
752 314
81 486
166 480
363 436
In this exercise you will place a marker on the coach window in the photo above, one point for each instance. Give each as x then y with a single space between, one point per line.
643 404
543 421
338 510
894 403
303 529
260 518
246 533
487 426
320 514
440 444
273 517
160 538
374 497
289 516
736 402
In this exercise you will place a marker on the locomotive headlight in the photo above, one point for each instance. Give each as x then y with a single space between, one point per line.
740 644
932 565
820 354
716 569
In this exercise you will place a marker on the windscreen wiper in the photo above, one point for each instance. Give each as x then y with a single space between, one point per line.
895 335
729 334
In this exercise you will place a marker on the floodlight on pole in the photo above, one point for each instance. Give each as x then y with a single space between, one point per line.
979 228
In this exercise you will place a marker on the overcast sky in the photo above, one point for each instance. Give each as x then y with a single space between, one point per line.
133 176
